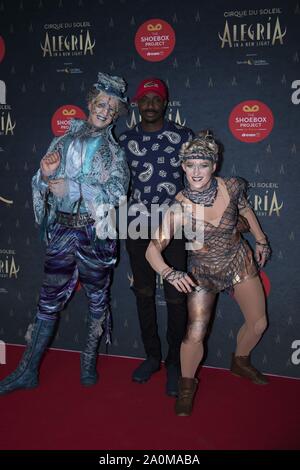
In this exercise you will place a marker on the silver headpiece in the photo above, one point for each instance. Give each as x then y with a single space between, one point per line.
112 85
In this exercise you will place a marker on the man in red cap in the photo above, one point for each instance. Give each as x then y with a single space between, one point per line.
151 85
152 148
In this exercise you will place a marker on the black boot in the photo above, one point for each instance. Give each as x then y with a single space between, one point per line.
38 337
173 375
145 370
88 358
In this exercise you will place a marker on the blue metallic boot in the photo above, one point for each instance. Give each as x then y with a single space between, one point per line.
88 357
26 374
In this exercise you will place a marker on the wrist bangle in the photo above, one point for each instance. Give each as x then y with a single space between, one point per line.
262 244
262 239
166 271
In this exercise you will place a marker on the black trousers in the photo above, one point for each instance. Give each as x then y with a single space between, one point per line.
144 283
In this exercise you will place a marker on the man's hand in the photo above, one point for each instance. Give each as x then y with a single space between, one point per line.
50 163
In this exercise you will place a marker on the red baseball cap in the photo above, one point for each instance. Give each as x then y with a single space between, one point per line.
151 85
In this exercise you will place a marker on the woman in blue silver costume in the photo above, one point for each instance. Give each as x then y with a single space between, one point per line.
219 258
82 177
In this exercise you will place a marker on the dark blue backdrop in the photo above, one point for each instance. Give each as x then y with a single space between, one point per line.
206 82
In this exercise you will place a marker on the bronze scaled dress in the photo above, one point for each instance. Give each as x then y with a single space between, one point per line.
225 258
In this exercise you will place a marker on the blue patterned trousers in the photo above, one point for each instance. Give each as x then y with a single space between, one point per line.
73 255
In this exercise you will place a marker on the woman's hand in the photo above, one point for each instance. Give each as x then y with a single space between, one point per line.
179 279
262 252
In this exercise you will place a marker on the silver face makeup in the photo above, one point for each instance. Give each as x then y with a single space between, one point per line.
102 110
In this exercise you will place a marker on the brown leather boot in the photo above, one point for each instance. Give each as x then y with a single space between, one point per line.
186 392
242 367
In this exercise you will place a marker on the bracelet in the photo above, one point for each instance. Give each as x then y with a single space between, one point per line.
262 241
266 243
166 271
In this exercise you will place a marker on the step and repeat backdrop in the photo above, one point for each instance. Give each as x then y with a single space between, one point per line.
232 67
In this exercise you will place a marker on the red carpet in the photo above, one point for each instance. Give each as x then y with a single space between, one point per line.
229 412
